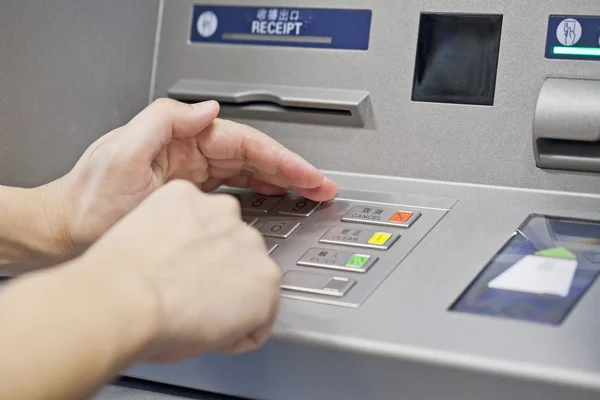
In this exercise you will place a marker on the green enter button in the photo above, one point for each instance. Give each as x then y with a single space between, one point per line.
358 261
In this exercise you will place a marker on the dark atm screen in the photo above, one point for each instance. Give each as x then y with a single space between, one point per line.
457 58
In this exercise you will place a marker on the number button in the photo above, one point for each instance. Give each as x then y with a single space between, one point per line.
271 247
259 203
297 207
250 221
279 229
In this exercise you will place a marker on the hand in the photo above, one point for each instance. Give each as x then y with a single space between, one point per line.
179 276
171 140
213 286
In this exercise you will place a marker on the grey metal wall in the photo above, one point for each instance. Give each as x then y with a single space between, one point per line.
70 70
484 145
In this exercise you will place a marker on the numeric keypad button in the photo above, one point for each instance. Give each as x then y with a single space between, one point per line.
250 221
259 203
297 207
279 229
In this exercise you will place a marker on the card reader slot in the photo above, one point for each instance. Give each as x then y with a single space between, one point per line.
278 103
569 155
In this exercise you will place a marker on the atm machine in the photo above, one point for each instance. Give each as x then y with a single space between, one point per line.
460 257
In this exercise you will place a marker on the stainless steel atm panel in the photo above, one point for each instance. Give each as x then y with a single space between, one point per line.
459 259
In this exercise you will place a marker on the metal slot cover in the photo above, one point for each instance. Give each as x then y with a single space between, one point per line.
278 103
566 126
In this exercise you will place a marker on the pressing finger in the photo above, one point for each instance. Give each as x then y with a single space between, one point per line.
225 140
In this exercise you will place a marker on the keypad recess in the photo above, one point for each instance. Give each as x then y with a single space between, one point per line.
340 251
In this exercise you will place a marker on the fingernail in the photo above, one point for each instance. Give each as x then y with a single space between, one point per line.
204 105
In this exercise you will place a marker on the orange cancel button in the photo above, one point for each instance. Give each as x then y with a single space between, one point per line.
401 216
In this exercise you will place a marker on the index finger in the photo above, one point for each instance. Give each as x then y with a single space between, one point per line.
227 140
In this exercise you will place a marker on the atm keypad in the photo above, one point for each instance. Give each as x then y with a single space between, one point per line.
383 216
336 252
366 238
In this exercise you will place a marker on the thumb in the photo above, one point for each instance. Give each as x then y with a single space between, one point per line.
163 120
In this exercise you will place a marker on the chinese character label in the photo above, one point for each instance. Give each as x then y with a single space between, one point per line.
261 15
284 15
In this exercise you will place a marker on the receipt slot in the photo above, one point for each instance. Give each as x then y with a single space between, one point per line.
279 103
459 259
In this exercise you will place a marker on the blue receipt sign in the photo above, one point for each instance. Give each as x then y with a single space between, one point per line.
573 37
277 26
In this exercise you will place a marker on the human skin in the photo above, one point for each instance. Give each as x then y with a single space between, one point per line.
146 265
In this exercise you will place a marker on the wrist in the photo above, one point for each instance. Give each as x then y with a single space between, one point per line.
133 306
93 326
33 225
52 205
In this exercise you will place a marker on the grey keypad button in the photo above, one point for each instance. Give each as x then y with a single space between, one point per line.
259 203
271 247
250 221
367 238
279 229
308 282
383 216
337 260
297 207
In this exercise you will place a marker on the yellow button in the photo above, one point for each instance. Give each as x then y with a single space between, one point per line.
380 238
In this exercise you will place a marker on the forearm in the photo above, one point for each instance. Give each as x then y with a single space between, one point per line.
66 331
31 226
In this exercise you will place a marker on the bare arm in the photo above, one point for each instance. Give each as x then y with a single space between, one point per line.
138 294
66 331
30 227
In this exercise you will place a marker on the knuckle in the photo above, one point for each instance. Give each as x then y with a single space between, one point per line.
241 127
163 103
262 312
259 341
263 315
